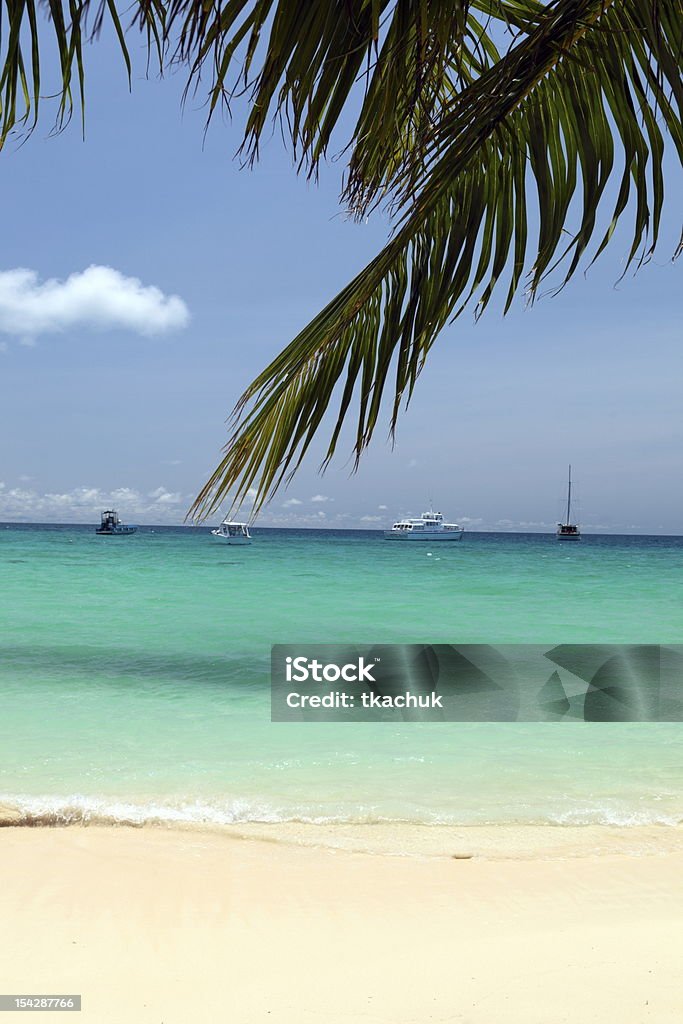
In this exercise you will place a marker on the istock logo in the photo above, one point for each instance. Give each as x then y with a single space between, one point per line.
300 670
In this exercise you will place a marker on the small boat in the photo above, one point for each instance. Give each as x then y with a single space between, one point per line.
568 530
231 532
111 525
430 526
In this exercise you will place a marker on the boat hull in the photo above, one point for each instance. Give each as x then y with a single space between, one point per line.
413 537
236 541
123 532
568 536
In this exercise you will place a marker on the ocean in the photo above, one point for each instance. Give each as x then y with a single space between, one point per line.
134 677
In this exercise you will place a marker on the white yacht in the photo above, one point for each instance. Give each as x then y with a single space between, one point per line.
230 532
430 526
568 530
111 525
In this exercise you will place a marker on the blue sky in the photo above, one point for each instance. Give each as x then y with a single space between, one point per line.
592 376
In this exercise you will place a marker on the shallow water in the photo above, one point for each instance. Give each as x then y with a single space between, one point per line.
134 677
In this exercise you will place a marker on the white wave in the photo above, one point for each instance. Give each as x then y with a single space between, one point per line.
619 816
83 809
78 808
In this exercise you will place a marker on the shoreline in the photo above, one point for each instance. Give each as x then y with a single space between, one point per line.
498 842
157 925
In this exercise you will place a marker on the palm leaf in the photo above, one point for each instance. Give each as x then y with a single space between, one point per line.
30 27
482 123
579 103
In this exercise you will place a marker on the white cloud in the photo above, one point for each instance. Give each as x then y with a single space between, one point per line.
124 495
291 502
382 508
98 297
371 519
163 497
321 498
84 504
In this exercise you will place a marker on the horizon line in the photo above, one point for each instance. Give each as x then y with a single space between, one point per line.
343 529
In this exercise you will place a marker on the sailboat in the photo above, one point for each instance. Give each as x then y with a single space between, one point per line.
568 531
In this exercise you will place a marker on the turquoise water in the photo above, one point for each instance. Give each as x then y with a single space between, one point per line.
134 676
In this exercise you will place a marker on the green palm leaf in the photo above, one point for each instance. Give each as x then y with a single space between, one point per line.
581 100
508 138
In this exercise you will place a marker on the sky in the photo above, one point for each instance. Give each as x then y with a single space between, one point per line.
146 278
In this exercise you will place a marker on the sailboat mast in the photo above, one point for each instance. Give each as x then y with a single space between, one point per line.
569 496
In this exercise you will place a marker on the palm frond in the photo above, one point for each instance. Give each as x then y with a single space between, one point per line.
480 123
581 101
28 28
303 62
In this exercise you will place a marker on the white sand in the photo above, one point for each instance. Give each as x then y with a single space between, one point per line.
157 926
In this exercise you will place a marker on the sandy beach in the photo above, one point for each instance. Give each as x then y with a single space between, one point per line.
155 926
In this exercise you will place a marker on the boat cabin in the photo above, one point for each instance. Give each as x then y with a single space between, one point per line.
232 533
567 530
109 520
233 530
